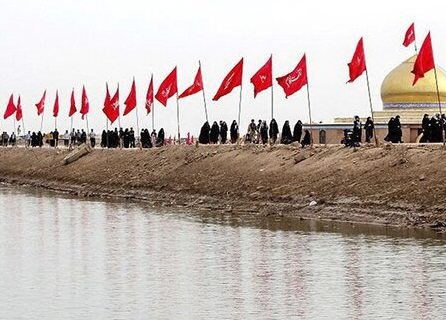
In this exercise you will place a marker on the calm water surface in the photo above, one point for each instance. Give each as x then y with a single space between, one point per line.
65 258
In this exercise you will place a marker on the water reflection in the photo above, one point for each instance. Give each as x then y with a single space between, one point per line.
65 258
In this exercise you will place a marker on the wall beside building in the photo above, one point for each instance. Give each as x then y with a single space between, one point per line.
334 133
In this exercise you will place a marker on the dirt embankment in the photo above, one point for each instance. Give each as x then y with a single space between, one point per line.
399 185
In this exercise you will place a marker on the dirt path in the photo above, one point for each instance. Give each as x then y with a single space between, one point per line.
400 185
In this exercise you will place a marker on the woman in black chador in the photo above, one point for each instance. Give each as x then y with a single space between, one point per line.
273 131
306 141
160 138
215 133
234 132
368 127
297 133
264 132
204 133
287 137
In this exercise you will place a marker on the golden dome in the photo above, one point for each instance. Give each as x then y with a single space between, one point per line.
397 90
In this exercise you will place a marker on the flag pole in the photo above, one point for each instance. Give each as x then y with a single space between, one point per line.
137 127
24 131
204 96
88 130
71 130
41 121
240 105
272 94
178 119
371 106
153 115
309 113
106 128
439 107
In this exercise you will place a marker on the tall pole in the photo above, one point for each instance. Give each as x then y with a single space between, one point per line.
24 132
204 96
71 131
178 119
153 116
309 113
439 107
272 94
240 106
138 137
41 121
415 45
371 106
88 131
106 136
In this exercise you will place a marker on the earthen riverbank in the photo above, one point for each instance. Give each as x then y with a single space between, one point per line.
397 185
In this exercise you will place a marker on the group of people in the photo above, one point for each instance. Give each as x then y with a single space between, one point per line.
257 133
433 128
7 139
125 138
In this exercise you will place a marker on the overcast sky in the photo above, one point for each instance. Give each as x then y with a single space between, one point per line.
61 44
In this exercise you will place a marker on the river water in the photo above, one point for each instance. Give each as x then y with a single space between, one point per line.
66 258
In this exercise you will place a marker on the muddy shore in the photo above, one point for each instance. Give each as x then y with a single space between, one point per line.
393 185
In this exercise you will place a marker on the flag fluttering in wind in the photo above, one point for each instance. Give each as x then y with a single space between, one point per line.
296 79
167 88
130 102
357 66
41 104
149 97
72 104
85 105
197 86
409 37
425 59
232 80
19 112
56 105
10 108
111 105
263 79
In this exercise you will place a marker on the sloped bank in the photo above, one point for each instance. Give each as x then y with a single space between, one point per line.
399 185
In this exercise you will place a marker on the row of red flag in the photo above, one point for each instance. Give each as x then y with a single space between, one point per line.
423 63
261 80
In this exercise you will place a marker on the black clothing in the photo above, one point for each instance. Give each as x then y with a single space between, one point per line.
297 132
264 133
223 132
204 137
368 127
306 141
234 132
215 132
357 127
273 131
287 137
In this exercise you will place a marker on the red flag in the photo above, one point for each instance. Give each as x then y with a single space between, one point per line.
19 113
85 105
149 97
357 66
10 108
409 38
167 88
425 59
296 79
56 105
41 105
130 102
197 86
72 105
111 106
263 79
233 79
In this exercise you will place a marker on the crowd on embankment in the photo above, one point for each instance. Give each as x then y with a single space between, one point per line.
433 131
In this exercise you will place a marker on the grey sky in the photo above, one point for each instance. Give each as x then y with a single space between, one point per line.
56 44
